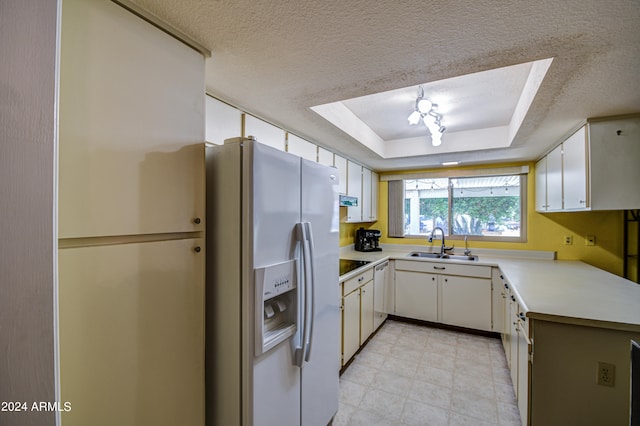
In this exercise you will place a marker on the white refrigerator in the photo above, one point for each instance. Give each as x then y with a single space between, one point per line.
272 294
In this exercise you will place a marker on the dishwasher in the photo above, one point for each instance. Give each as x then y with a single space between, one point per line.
379 289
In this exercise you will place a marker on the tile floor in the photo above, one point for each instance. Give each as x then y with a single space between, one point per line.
415 375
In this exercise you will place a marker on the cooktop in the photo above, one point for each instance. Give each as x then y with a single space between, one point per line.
348 265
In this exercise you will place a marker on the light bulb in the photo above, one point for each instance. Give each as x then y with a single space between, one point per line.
414 118
424 106
429 120
436 139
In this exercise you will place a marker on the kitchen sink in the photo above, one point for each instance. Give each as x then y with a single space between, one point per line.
428 255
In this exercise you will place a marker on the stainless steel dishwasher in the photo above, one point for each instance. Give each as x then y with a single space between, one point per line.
379 290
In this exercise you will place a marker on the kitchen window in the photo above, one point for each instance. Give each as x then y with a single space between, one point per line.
490 207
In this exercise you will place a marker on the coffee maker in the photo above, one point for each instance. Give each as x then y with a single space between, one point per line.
367 240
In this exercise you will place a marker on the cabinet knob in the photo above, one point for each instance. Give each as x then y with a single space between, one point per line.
433 278
196 221
522 317
446 280
441 268
582 201
197 249
513 298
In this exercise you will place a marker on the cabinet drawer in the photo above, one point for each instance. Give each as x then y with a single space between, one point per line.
351 284
445 268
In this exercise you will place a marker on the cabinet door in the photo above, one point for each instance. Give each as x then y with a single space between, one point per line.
222 121
354 189
513 346
350 325
466 302
366 195
574 169
341 164
417 295
131 321
264 132
375 184
325 157
302 148
132 128
554 179
541 185
523 372
366 311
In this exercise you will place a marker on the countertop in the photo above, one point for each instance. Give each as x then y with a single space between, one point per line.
567 291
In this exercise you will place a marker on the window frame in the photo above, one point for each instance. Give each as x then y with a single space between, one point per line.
521 172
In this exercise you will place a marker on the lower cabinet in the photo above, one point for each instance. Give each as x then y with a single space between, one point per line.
417 295
366 311
350 325
452 294
357 313
466 302
131 321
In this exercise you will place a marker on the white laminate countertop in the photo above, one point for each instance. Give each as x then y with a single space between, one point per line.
567 291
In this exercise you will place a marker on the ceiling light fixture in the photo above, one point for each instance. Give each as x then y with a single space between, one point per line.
426 110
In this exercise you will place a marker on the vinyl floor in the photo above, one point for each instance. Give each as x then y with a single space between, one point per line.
409 374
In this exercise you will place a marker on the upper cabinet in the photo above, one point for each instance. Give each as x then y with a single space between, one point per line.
354 189
222 121
131 138
302 148
325 157
341 164
596 168
264 132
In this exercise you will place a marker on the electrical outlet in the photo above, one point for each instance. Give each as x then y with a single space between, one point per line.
606 374
568 240
590 240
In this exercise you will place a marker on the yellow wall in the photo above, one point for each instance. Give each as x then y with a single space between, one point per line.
544 231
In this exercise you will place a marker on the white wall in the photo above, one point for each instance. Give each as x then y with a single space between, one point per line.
27 169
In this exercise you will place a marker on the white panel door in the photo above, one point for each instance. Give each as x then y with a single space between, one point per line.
366 311
541 185
223 121
325 156
354 189
554 179
341 164
466 302
350 325
264 132
574 170
302 148
366 195
131 157
375 186
417 295
132 333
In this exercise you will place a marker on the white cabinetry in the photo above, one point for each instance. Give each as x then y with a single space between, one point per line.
341 164
596 168
366 311
132 320
325 157
449 293
264 132
466 302
350 325
574 171
357 312
222 121
354 189
416 295
302 148
375 185
365 197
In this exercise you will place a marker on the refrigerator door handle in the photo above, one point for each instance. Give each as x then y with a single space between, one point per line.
310 286
303 238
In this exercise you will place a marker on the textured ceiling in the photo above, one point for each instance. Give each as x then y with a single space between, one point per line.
276 59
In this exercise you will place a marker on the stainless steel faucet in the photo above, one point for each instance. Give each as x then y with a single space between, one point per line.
467 252
441 233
